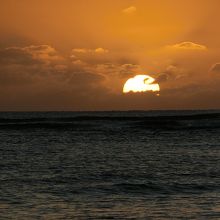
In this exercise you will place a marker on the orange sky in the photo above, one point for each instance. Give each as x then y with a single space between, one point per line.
77 54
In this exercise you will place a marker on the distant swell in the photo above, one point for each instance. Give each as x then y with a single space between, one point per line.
164 188
199 121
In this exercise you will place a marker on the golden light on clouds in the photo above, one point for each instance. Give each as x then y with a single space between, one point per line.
82 54
130 10
141 83
188 46
99 50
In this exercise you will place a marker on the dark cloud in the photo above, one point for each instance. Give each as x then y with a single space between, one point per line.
30 55
215 67
129 69
41 71
16 55
117 70
172 72
90 79
163 77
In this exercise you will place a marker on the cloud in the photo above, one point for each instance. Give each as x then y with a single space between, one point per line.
187 46
215 68
129 10
171 73
119 70
38 63
89 56
101 50
87 78
43 54
100 56
80 50
129 69
16 55
98 50
163 77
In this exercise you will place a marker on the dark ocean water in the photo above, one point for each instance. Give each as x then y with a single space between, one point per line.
110 165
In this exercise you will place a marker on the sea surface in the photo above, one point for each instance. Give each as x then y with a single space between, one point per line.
110 165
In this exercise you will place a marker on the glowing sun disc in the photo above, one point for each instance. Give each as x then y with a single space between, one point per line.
141 83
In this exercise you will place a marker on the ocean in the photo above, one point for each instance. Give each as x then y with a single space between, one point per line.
110 165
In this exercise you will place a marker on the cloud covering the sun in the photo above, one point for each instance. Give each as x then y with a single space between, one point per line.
36 72
81 59
93 77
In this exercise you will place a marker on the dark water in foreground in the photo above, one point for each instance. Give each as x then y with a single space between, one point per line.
110 165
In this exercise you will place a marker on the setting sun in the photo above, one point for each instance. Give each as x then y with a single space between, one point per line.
141 83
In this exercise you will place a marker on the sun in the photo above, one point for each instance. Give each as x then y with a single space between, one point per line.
141 83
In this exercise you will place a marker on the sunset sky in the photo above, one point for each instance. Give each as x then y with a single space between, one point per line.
78 54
